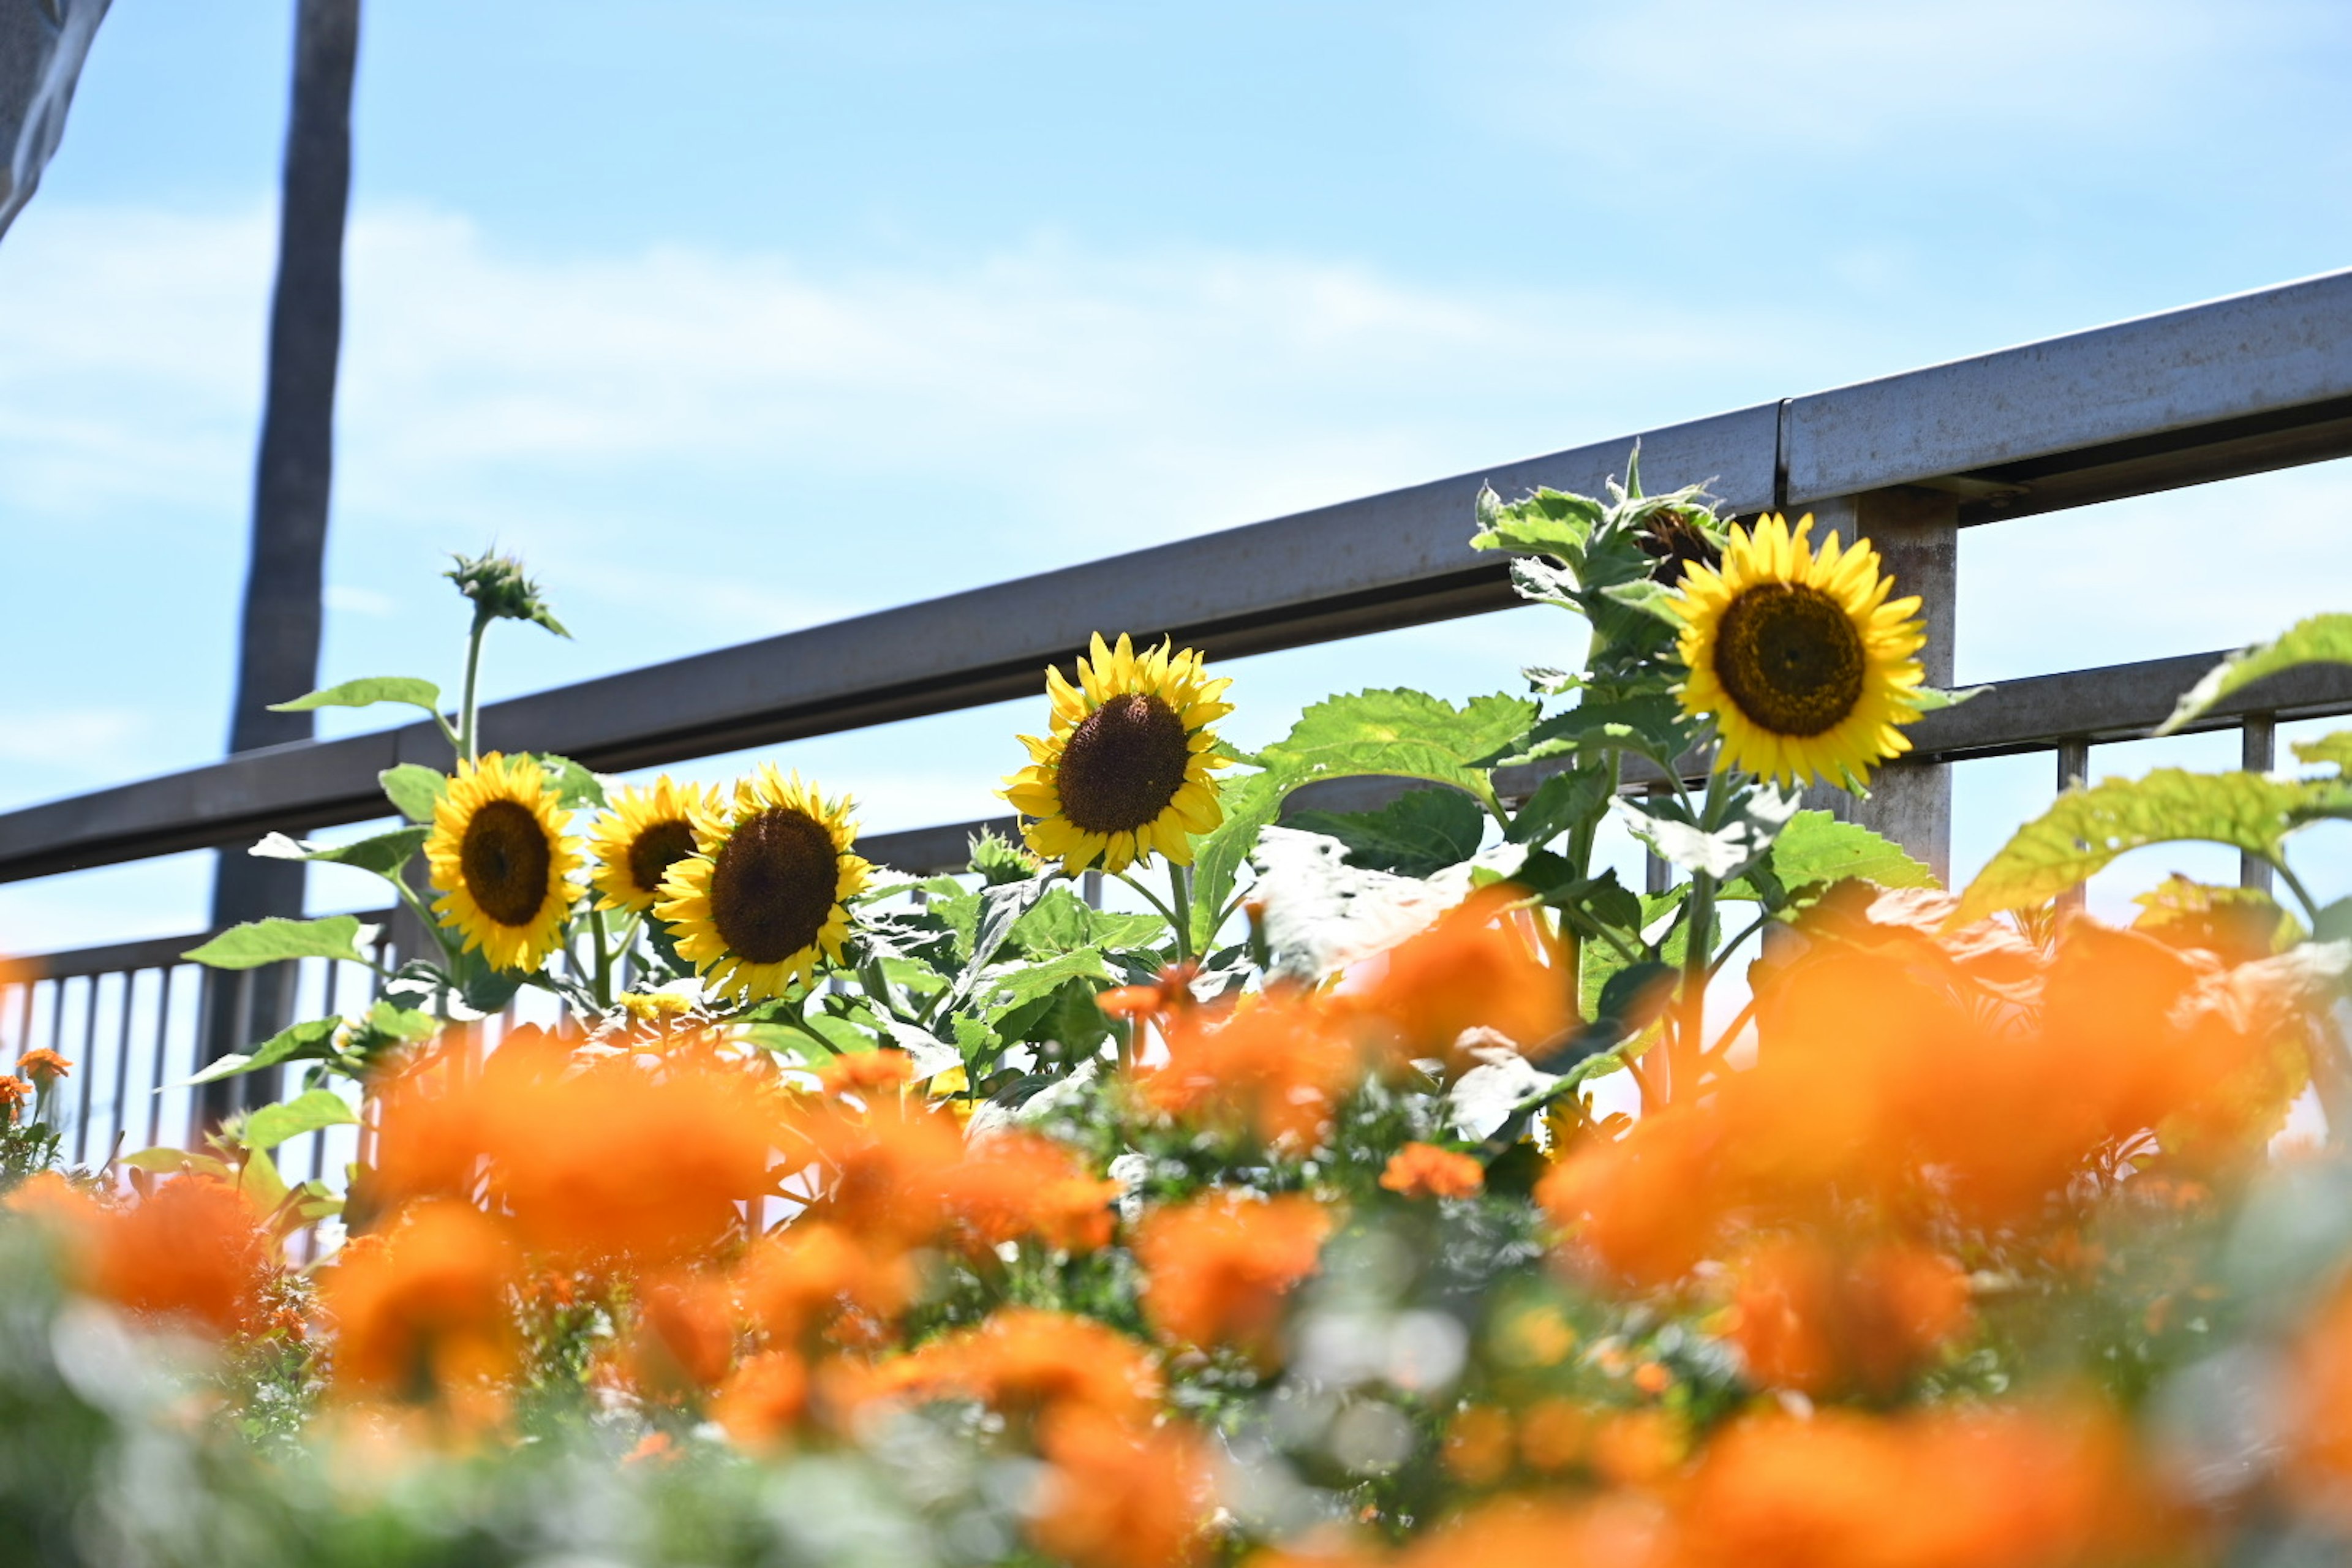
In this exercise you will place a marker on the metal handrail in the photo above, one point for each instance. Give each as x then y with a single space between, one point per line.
2258 381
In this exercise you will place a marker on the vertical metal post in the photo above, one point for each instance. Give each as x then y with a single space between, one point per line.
163 1045
122 1059
1090 888
2257 754
2073 769
1916 534
89 1065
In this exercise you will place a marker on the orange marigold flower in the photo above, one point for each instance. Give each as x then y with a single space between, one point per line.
1017 1184
1481 965
1925 1491
1811 1319
885 1174
2319 1420
43 1067
868 1074
1645 1204
1028 1362
193 1252
1216 1269
1120 1497
1479 1445
13 1092
427 1314
794 1284
686 1335
1617 1532
764 1400
1277 1066
1426 1171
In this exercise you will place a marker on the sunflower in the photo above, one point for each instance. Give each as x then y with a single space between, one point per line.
645 832
1125 770
1805 665
501 861
767 889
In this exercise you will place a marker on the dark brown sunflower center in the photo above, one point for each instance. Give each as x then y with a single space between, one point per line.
655 850
773 885
505 857
1123 764
1790 657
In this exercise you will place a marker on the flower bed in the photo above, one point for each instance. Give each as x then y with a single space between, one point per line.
956 1220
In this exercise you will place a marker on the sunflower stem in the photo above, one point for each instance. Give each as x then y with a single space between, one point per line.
2294 885
1179 888
604 959
1148 897
1698 957
468 738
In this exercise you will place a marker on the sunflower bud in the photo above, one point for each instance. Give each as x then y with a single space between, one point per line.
501 591
1676 538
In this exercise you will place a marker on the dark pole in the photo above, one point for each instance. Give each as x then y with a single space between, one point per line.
277 656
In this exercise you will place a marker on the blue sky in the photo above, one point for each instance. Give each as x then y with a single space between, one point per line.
734 318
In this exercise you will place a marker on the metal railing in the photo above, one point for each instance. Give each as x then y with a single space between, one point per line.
2242 386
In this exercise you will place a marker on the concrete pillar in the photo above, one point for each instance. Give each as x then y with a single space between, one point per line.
1916 534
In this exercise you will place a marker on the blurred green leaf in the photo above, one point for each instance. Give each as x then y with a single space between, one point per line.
2321 639
1416 835
413 788
2087 829
367 693
314 1038
276 939
383 854
273 1124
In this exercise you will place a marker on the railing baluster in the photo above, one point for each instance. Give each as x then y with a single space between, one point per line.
24 1014
163 1048
88 1067
120 1119
2257 754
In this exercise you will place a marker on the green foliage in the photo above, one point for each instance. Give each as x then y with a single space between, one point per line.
1816 850
2329 750
1061 922
367 693
383 854
575 787
1418 833
2320 639
273 1124
1403 733
2089 827
275 940
310 1039
1250 802
413 789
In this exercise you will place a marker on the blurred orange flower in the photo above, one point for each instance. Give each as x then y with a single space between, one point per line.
1481 965
1426 1171
13 1092
194 1252
43 1067
764 1400
1216 1269
796 1283
1812 1318
1028 1364
425 1314
1275 1065
1120 1497
686 1335
1017 1184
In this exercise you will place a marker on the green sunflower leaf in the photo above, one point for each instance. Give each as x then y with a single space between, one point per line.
384 854
2087 829
1250 802
1061 922
1816 849
1002 991
1560 802
275 940
575 787
312 1038
273 1124
2321 639
1649 722
2329 750
367 693
1415 835
1931 699
413 788
1548 522
1409 734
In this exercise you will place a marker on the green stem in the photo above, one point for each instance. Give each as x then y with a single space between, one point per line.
468 740
877 987
1147 895
1750 929
1180 890
1698 955
604 959
2294 885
